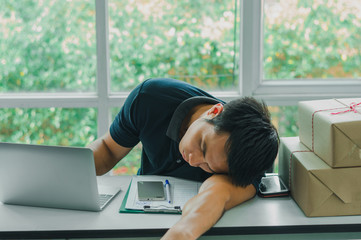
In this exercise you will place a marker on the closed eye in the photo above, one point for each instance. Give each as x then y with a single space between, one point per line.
204 148
204 151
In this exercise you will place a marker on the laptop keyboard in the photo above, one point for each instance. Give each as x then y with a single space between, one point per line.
103 199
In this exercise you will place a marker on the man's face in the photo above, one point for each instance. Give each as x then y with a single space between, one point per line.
202 147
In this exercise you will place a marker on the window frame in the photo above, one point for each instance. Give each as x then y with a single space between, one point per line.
251 83
284 91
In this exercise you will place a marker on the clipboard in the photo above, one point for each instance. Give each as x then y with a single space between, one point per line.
182 190
123 209
122 206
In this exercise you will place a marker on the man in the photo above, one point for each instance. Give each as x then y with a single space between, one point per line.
186 132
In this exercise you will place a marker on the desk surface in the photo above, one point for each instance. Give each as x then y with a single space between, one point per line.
257 216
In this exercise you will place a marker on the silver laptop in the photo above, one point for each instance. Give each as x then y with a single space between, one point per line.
51 176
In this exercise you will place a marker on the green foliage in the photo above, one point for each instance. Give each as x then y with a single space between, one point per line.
54 126
188 40
285 120
49 46
312 39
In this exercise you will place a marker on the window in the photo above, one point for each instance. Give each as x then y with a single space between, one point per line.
67 66
47 46
311 39
193 41
50 126
278 64
47 54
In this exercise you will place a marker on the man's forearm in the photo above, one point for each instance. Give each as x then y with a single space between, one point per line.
101 154
104 157
201 212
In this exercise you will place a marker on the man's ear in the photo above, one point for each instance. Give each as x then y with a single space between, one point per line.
215 110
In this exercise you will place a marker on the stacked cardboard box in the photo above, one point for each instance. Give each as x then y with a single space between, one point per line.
323 165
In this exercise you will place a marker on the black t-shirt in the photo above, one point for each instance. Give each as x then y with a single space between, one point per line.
153 114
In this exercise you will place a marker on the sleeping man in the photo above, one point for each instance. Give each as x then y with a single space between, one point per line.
185 132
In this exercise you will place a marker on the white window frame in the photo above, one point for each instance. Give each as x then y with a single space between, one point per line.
251 82
285 91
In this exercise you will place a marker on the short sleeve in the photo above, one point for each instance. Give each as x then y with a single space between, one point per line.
123 129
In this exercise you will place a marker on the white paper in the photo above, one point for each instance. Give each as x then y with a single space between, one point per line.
180 191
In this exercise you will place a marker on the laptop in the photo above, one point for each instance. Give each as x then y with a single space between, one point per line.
51 176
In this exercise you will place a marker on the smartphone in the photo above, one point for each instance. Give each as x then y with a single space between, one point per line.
150 190
272 186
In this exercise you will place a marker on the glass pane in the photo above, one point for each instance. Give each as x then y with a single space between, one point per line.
49 126
193 41
312 39
131 163
47 46
285 119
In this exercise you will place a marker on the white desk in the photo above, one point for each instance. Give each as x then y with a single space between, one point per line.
257 216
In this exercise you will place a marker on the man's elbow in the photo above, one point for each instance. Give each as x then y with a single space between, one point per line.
226 192
240 195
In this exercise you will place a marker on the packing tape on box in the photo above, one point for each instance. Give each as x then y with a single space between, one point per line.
351 108
290 166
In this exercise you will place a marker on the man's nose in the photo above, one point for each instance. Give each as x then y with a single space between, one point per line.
195 159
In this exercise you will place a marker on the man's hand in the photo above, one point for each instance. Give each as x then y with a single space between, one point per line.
216 195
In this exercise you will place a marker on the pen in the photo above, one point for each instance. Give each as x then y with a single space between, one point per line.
167 190
175 209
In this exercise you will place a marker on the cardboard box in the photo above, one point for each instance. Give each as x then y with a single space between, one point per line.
332 130
318 189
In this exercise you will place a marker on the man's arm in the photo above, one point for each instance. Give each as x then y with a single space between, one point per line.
216 195
107 153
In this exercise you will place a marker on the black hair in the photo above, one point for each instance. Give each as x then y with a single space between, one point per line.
253 143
